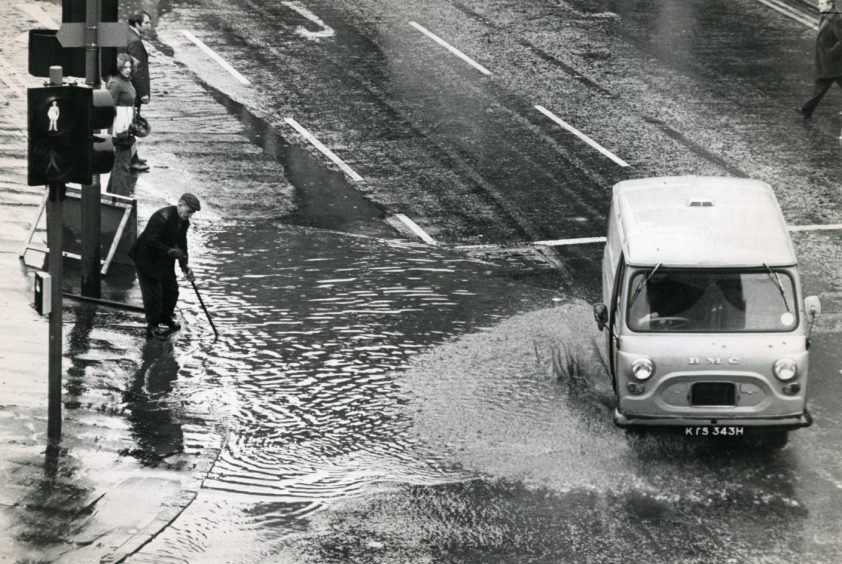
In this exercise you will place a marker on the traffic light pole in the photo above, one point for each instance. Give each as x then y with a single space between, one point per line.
55 231
91 194
55 240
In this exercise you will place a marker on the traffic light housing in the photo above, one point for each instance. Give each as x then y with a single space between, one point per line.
46 51
63 144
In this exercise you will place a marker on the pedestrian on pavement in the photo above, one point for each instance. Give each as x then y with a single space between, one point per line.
828 55
123 92
162 243
140 25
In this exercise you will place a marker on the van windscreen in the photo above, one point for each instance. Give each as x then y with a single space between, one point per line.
684 300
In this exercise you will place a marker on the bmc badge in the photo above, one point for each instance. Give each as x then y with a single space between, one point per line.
713 360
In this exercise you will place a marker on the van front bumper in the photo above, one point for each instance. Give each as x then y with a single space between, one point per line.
766 423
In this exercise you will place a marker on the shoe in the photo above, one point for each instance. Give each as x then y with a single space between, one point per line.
172 324
138 160
805 115
139 167
156 333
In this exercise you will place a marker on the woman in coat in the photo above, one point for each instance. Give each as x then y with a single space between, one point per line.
120 86
828 55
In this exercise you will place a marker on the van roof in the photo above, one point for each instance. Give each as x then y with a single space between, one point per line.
701 221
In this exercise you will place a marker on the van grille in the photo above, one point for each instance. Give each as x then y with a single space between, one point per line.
709 394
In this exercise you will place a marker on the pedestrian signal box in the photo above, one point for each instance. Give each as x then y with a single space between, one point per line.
63 145
43 293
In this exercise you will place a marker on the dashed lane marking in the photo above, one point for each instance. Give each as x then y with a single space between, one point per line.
38 15
568 242
416 229
327 152
582 136
450 48
210 52
791 13
827 227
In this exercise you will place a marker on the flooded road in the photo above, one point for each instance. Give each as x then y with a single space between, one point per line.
394 402
382 400
402 402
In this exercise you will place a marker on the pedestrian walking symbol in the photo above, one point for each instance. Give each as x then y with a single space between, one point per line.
53 114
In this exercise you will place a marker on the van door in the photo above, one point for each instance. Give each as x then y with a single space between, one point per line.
614 304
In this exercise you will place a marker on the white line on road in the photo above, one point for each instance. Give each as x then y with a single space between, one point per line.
566 242
416 229
791 13
38 15
326 30
828 227
450 48
318 145
215 57
581 136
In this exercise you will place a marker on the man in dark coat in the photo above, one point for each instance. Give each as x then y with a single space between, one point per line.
140 24
162 243
828 55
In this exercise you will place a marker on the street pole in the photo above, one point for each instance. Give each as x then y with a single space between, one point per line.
55 238
91 194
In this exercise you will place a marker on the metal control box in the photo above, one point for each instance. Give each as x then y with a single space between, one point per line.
43 293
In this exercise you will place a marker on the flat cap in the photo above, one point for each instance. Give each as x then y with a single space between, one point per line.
191 201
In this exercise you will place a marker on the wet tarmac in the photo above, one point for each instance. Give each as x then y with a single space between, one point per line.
375 399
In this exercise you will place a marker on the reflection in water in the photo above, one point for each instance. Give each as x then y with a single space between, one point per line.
79 344
321 327
154 426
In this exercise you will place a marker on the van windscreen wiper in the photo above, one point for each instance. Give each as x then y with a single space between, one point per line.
643 284
774 276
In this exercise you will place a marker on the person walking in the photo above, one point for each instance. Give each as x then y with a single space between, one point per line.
162 243
828 55
140 24
123 92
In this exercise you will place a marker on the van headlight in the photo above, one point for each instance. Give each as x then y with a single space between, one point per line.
785 369
642 369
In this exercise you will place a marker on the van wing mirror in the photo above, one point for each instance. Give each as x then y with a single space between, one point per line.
812 305
600 314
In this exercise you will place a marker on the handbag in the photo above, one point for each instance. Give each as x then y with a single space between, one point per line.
140 126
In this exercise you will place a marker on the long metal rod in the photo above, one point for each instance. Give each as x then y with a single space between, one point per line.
91 223
55 236
202 303
99 301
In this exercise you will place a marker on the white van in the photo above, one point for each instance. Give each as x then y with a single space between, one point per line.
706 327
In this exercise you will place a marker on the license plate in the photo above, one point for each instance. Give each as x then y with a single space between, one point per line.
714 431
709 394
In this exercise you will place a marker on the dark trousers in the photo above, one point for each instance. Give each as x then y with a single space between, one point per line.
120 181
159 296
819 90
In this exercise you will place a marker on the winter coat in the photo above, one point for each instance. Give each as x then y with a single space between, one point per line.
829 46
140 76
164 231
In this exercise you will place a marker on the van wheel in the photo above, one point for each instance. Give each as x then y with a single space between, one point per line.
774 439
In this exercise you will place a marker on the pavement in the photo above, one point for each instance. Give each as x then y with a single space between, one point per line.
126 442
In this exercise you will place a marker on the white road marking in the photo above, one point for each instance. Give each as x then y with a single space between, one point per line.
318 145
827 227
326 31
215 57
567 242
38 15
582 136
416 229
450 48
791 13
